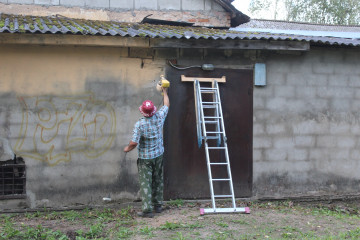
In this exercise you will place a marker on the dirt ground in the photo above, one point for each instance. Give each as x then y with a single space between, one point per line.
181 220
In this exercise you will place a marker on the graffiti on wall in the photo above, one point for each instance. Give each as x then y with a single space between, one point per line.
54 128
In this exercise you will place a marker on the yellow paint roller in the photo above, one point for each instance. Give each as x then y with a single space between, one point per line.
163 83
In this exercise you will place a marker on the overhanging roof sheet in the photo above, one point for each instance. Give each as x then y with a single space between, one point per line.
61 25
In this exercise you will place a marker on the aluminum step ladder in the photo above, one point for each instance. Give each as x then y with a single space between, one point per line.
214 140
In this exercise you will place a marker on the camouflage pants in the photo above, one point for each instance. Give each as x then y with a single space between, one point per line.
151 176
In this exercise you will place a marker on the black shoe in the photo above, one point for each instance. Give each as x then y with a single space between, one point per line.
158 209
145 214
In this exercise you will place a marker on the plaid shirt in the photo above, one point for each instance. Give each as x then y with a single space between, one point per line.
149 135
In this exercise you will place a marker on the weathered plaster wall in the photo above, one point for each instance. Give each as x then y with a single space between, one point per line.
307 124
202 13
69 111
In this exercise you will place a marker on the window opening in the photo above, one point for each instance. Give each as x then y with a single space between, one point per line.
12 178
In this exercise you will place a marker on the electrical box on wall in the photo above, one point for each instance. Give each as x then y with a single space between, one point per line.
260 74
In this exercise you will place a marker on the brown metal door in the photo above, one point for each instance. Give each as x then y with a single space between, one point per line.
185 168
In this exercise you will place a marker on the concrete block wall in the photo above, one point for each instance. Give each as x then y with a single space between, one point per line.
69 113
199 12
306 124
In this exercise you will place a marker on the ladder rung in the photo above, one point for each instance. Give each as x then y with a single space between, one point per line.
214 132
219 163
218 196
206 88
211 102
222 179
212 137
212 117
208 106
216 147
212 122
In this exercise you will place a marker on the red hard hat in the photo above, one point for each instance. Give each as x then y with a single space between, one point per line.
147 108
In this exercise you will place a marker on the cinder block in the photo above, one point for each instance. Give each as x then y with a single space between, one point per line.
347 69
335 92
275 155
354 81
295 79
262 115
327 141
323 68
75 3
284 142
21 1
316 154
192 5
297 154
318 104
352 56
346 142
275 128
284 91
47 2
309 127
267 91
339 154
261 142
305 141
333 56
341 105
357 93
285 105
275 78
304 92
303 66
259 103
257 155
338 80
355 105
123 4
258 129
355 154
278 66
146 4
169 5
97 3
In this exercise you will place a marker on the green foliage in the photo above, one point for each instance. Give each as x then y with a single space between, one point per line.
176 203
124 233
147 231
170 226
344 12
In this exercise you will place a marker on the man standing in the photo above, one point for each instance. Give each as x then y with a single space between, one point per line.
148 135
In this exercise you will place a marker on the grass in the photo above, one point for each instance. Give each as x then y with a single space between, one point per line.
268 220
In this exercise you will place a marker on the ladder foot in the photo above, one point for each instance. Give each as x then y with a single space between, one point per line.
202 212
247 210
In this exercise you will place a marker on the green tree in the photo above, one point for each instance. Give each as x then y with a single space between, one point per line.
346 12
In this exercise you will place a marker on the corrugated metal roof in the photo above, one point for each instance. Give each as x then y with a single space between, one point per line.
62 25
285 25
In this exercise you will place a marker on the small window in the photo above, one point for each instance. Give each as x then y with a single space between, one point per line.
12 179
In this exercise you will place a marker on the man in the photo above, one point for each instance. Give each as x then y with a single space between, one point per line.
149 137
